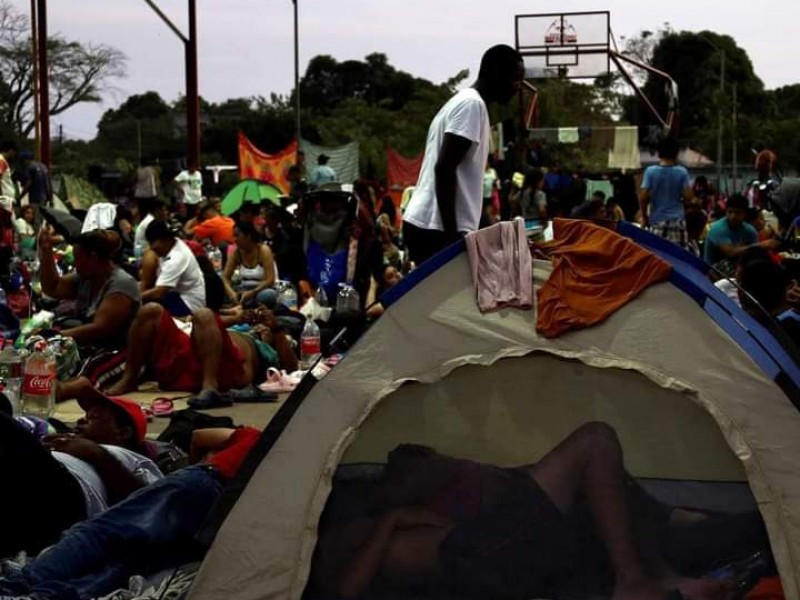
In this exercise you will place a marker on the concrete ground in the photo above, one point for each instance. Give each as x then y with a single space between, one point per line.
252 414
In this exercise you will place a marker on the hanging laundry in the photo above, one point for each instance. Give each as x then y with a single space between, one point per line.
568 135
599 185
625 154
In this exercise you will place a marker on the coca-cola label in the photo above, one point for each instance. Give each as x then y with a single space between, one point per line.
37 385
310 345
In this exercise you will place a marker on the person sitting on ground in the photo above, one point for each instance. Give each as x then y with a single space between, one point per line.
533 202
179 284
594 209
98 556
106 297
730 285
764 293
755 216
256 267
614 210
731 236
442 525
213 226
26 229
151 209
83 473
209 359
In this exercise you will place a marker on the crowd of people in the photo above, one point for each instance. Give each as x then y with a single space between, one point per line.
181 294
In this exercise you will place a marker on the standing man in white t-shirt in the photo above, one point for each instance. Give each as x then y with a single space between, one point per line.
8 150
448 198
190 184
180 286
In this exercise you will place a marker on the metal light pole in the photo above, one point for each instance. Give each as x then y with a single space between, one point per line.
719 117
296 74
192 94
734 135
44 83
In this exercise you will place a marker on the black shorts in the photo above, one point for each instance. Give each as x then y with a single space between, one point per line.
423 243
524 547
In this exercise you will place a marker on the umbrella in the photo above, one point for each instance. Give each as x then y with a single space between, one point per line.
249 190
63 222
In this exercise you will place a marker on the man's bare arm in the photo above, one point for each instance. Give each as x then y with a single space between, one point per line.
454 149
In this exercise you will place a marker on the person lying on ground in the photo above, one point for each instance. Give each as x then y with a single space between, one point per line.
202 356
151 530
62 479
179 285
472 530
106 297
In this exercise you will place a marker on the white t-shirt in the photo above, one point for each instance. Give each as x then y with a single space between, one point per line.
191 186
141 467
138 237
179 271
464 115
7 187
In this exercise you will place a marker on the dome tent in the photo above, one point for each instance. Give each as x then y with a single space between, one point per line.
695 388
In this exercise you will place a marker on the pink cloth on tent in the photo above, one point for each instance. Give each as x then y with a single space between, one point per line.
501 265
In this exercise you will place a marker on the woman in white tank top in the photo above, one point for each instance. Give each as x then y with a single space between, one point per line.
256 266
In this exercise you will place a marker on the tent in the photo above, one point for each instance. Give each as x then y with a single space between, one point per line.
696 389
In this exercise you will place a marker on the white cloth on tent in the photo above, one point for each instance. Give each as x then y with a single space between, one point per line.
343 160
501 266
99 216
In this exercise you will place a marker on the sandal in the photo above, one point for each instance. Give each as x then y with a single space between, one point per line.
279 382
209 399
252 394
162 407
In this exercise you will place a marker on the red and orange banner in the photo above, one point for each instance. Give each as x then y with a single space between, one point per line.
271 168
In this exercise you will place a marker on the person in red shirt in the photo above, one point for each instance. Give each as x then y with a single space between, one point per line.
98 556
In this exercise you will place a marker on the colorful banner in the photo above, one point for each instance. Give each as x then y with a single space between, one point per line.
401 172
272 168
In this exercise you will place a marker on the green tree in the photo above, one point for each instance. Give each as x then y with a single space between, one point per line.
78 72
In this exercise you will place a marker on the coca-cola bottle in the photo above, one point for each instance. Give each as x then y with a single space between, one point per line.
39 383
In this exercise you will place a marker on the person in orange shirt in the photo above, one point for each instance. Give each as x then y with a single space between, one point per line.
213 226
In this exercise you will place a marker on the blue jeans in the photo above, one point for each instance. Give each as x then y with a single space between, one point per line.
152 529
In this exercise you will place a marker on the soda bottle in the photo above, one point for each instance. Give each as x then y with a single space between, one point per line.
39 383
11 374
310 344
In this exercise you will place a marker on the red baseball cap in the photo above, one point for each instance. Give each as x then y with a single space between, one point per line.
131 409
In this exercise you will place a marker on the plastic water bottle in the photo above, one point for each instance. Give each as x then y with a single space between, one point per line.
138 251
39 383
215 256
11 374
288 296
310 344
321 297
348 299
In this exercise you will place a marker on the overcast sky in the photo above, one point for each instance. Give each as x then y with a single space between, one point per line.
246 46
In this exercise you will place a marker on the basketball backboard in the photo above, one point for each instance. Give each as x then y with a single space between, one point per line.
571 45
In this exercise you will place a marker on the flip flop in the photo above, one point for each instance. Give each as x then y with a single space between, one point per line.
278 382
251 394
162 407
209 399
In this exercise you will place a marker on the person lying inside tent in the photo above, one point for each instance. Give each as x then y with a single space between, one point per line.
51 482
151 530
468 530
202 355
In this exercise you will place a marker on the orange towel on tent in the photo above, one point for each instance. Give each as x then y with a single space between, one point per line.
595 272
